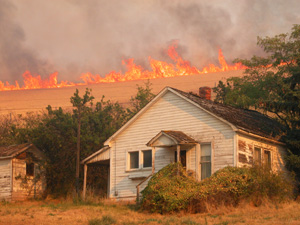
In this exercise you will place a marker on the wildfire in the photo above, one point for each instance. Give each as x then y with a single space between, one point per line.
160 69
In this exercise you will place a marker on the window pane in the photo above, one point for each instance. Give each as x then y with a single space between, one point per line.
205 170
205 161
257 154
267 158
147 158
134 160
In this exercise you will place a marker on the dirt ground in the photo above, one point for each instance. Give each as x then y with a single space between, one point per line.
108 212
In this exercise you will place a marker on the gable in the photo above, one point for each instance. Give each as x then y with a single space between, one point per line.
170 112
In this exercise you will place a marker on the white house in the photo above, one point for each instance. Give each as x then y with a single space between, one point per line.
204 135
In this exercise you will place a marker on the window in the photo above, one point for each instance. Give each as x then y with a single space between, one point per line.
29 169
205 161
267 158
133 160
257 155
147 158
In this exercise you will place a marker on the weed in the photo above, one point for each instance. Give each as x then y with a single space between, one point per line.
106 220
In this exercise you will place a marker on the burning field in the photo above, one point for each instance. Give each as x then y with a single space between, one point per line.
37 93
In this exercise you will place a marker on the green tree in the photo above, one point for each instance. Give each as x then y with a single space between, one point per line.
142 97
271 85
80 105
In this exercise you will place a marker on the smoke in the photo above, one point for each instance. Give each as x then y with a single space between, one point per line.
73 36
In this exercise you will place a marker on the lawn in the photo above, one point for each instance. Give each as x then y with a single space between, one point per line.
109 212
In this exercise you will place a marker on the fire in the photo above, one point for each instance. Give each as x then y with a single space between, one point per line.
160 69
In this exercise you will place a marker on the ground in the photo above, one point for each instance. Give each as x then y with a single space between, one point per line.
108 212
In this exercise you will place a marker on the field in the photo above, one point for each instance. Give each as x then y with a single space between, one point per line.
22 101
109 212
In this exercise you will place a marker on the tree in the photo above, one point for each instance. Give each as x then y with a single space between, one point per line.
271 85
143 97
80 108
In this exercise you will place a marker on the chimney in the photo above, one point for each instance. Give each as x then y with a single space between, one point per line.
205 92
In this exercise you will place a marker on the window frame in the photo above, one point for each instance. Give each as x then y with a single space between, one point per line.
262 159
140 160
129 160
30 169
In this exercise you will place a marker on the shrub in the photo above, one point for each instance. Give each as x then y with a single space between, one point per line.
171 189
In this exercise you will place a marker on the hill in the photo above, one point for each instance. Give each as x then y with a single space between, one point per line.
22 101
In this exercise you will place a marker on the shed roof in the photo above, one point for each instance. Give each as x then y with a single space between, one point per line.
244 119
14 150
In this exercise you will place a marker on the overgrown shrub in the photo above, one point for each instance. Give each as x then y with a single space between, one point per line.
171 190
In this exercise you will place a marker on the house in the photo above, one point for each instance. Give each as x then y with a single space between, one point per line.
20 172
205 136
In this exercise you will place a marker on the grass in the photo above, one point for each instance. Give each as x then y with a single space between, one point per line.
124 213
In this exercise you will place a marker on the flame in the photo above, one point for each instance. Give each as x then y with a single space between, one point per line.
160 69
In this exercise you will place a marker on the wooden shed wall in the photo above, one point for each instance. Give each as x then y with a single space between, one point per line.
170 112
5 179
21 190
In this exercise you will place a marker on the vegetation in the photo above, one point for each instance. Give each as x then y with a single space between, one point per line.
62 135
272 85
168 192
109 212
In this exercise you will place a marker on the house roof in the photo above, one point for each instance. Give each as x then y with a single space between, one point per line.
177 136
248 120
14 150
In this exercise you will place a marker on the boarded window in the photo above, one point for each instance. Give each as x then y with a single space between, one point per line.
147 158
205 161
257 155
29 169
267 158
133 160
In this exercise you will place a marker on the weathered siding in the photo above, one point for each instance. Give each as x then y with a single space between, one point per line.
170 112
5 179
246 146
24 188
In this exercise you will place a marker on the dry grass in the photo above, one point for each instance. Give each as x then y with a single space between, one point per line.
108 212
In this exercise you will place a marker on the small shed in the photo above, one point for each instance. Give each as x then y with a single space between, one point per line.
21 172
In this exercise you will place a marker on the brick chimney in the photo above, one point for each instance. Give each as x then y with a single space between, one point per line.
205 92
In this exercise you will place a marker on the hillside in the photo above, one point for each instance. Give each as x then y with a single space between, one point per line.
22 101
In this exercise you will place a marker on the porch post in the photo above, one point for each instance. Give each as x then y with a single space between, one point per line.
153 160
178 158
84 181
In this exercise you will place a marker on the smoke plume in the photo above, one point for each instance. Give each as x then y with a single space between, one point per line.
73 36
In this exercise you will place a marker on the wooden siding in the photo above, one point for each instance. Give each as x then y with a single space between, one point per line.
246 146
5 179
22 190
170 112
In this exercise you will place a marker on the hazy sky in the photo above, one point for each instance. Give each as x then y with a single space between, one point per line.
74 36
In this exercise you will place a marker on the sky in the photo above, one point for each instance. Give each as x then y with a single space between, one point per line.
72 37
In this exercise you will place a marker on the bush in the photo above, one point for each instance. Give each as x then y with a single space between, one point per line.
171 189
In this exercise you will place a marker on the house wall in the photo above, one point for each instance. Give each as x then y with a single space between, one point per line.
170 112
245 151
5 179
24 188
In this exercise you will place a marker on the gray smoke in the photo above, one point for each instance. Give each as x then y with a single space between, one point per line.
73 36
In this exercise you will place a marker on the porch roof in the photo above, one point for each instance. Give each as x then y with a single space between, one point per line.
100 155
176 137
